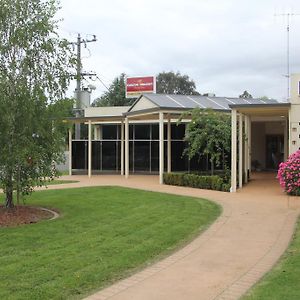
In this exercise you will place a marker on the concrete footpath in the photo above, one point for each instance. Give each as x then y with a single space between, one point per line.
253 231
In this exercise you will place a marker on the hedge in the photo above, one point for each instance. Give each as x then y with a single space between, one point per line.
212 182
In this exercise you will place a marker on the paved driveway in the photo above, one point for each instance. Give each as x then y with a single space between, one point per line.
246 240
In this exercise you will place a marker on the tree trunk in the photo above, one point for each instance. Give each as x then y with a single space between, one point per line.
212 167
9 194
18 185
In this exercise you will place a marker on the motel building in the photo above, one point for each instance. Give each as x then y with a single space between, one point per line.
146 138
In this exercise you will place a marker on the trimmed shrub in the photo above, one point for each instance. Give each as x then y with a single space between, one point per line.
289 174
214 182
226 187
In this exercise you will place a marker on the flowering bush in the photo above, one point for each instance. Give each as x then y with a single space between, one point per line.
289 174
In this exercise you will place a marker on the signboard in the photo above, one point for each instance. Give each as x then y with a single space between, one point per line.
135 86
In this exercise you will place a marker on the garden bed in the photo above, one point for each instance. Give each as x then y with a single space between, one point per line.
21 214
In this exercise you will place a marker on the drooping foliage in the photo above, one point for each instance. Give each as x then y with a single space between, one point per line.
34 73
208 134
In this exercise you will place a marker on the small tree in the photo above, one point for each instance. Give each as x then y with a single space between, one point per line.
208 134
175 83
246 95
34 73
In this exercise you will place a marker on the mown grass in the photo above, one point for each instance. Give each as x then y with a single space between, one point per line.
103 234
283 281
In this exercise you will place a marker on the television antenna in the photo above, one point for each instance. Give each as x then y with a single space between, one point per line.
288 20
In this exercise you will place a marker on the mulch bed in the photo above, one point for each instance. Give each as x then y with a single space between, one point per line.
21 214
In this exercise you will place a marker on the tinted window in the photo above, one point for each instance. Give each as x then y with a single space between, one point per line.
154 156
109 155
79 155
155 134
178 131
142 156
142 132
109 132
179 162
96 155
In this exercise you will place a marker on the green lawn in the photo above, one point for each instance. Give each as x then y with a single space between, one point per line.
283 282
103 234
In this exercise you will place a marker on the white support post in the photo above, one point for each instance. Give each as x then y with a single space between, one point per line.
122 147
240 150
100 132
233 150
161 147
289 134
246 149
96 132
126 147
169 167
90 149
70 151
249 146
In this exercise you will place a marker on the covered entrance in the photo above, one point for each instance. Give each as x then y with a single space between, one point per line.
260 139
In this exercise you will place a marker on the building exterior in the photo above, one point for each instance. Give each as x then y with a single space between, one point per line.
146 137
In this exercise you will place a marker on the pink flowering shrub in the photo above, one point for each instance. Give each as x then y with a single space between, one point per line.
289 174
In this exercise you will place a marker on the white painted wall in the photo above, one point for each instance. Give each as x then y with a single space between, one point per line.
105 111
294 116
64 166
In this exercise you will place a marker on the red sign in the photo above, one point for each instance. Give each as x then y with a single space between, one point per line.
135 86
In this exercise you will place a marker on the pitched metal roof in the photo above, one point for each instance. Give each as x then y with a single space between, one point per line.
193 101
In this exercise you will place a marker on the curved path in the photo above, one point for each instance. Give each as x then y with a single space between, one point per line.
226 260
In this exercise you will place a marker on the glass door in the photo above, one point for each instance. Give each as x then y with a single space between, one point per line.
274 151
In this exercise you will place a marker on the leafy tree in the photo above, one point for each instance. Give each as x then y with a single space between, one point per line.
115 96
175 83
208 134
246 95
34 73
265 98
59 111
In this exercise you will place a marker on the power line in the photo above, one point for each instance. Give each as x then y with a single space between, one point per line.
103 83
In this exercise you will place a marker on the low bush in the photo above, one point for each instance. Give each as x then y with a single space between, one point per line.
209 182
289 174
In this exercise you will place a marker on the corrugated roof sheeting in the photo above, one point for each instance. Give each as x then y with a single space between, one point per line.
192 101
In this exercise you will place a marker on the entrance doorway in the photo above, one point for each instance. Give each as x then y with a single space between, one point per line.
274 151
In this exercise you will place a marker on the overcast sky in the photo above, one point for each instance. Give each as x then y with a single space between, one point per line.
225 46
